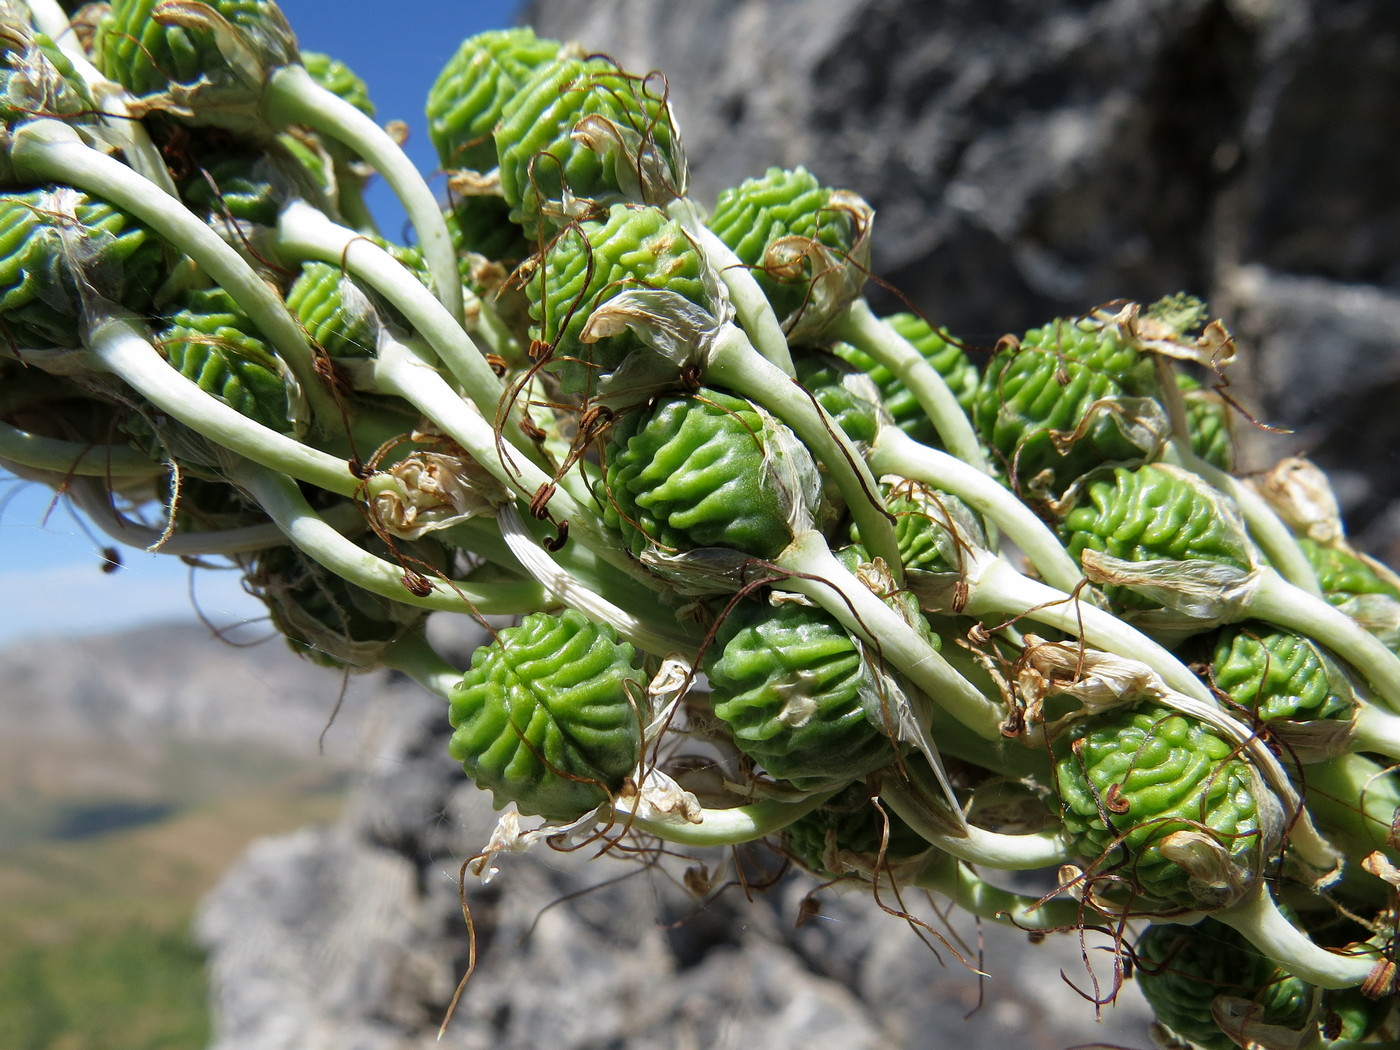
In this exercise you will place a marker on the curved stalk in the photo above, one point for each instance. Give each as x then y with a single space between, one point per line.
49 150
75 458
126 351
1258 919
995 589
952 878
895 452
1041 849
727 827
279 496
735 364
294 98
751 306
819 576
862 329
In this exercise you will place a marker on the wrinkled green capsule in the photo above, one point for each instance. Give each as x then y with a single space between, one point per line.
1162 810
806 244
1185 971
548 715
846 394
1064 401
1342 574
466 101
845 834
704 470
335 312
933 529
797 695
326 618
1277 674
209 339
1156 512
147 52
243 187
1210 423
582 134
52 238
945 356
590 265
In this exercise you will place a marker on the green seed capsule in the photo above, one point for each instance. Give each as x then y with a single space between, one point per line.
1163 804
1276 674
243 187
699 471
846 394
470 94
591 264
146 55
47 235
339 79
1342 574
805 242
582 134
1184 970
210 340
547 715
933 529
1064 402
1156 512
797 695
944 355
1209 421
336 314
328 619
846 833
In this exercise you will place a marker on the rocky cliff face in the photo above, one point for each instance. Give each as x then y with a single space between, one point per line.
1027 159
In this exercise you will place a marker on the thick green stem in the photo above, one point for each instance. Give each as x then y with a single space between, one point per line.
995 589
414 655
1041 849
294 98
124 348
279 496
862 329
751 306
74 458
819 576
50 151
1257 917
736 365
729 827
897 453
952 878
402 370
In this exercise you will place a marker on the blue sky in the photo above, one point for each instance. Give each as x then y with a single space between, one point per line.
50 569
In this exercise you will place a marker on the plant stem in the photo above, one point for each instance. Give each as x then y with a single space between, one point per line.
293 97
862 329
279 496
728 827
1257 917
50 151
818 575
124 348
897 453
951 877
74 458
736 365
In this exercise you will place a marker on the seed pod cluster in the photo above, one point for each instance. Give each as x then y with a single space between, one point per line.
758 563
